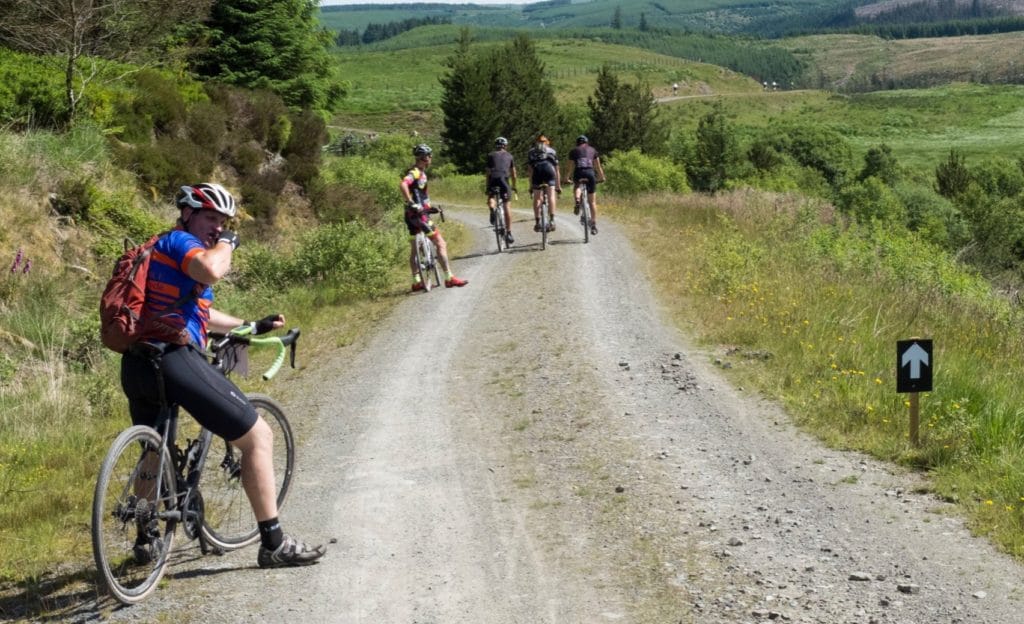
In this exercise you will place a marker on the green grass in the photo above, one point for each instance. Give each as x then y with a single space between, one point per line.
766 274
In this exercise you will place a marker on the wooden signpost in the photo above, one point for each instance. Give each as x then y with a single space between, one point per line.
914 365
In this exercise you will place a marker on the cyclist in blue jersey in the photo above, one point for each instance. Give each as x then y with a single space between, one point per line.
186 262
585 167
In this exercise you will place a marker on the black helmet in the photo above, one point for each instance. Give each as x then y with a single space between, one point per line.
422 150
500 142
581 139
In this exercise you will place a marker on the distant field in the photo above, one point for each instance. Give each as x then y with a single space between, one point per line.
846 61
920 125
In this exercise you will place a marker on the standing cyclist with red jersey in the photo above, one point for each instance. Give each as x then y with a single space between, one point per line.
186 262
417 216
583 161
499 169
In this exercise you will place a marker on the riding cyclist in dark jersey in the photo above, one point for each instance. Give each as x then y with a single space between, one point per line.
500 168
542 167
583 162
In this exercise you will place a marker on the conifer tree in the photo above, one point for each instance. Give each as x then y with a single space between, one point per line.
501 92
623 116
276 45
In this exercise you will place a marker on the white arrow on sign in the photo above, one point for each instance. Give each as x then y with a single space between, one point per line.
915 356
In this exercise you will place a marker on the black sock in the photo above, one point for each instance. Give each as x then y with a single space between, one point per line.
271 535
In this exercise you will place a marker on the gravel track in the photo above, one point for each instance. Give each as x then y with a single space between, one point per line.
540 447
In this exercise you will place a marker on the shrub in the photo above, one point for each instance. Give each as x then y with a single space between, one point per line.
634 172
31 93
871 200
207 126
164 163
879 162
392 149
377 180
817 147
999 177
932 216
997 229
350 257
952 177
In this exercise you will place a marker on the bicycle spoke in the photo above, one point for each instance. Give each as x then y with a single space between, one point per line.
132 530
229 522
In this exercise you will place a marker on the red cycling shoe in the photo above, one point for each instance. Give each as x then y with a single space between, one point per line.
454 281
417 286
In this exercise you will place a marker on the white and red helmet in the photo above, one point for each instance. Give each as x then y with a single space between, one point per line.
207 196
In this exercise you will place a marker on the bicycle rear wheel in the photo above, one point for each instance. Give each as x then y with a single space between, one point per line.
499 222
228 521
585 215
132 527
434 264
544 222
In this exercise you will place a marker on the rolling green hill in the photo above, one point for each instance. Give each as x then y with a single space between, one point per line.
775 19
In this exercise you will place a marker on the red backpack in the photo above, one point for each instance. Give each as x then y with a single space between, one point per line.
124 298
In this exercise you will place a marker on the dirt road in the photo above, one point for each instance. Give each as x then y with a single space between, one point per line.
539 447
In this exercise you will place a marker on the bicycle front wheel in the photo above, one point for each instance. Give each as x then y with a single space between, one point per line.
423 260
132 520
228 520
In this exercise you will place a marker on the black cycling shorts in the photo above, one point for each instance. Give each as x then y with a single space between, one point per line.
418 224
544 175
501 184
190 382
587 175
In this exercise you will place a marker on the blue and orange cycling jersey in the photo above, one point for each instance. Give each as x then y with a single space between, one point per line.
169 281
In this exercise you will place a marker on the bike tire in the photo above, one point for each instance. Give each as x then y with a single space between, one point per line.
422 261
119 511
544 223
228 520
585 215
434 265
499 222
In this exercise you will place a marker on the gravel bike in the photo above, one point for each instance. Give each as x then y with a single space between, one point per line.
149 483
585 212
426 255
545 216
500 228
